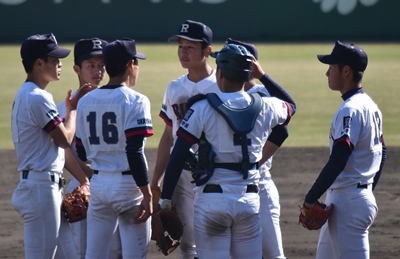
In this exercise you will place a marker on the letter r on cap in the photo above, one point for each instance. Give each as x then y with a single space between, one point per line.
185 27
97 44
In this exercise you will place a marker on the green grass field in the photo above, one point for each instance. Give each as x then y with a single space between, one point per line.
294 66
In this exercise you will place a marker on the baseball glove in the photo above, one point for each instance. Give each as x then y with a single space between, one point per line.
76 203
314 218
167 230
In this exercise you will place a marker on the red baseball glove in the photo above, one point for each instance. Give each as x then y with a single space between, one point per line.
76 203
314 218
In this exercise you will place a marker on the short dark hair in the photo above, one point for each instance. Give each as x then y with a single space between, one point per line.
78 62
118 69
28 63
357 75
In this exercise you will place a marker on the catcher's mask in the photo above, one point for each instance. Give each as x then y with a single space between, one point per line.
235 62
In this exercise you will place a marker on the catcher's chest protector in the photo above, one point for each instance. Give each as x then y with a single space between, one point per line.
241 121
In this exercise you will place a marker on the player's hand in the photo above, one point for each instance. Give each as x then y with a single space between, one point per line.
146 209
165 204
72 102
257 71
308 205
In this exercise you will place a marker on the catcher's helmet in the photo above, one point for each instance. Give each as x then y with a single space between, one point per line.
235 62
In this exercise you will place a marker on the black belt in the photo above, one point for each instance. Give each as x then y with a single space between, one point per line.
61 182
123 173
362 186
216 188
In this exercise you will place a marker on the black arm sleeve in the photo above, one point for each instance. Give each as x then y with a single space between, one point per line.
337 161
277 91
137 160
278 135
378 174
80 149
175 166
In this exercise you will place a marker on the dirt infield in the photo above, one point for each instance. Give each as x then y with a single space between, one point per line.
294 171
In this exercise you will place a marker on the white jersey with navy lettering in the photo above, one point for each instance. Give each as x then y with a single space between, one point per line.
201 117
105 116
357 113
266 167
34 116
178 93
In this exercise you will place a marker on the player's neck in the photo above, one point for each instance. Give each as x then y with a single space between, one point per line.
38 80
248 85
198 74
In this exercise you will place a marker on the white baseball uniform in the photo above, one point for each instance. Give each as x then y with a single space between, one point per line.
107 118
38 195
173 110
269 205
78 229
359 123
227 222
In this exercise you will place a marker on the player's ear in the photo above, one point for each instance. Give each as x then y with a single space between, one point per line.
207 51
77 70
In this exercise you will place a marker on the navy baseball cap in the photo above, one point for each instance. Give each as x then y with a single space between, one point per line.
40 45
193 31
121 51
88 48
348 54
250 47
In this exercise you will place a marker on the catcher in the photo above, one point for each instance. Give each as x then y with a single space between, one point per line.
76 203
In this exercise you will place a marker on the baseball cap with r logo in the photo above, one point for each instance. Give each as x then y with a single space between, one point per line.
88 48
193 31
40 45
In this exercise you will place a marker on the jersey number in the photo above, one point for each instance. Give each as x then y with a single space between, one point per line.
377 122
108 128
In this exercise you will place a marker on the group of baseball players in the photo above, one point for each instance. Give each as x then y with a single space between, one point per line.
231 209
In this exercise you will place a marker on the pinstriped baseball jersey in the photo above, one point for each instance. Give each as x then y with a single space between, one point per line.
357 113
201 117
34 116
100 115
177 94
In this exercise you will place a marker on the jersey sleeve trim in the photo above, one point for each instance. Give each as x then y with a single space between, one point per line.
345 139
290 113
52 124
146 131
167 120
187 136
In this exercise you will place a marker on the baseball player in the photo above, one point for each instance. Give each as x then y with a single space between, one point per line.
113 124
40 137
89 66
226 207
194 46
269 197
357 153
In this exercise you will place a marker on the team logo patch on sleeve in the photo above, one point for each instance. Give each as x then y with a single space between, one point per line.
346 125
346 122
188 115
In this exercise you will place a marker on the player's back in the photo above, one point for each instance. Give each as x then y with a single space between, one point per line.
225 142
105 117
